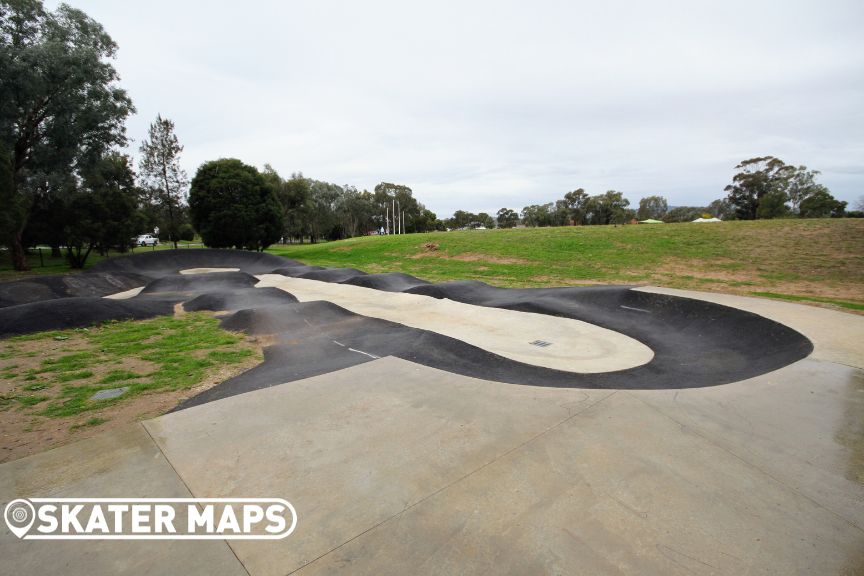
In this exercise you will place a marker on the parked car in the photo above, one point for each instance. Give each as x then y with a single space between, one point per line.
146 240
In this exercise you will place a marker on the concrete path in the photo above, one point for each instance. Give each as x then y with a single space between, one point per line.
579 346
396 468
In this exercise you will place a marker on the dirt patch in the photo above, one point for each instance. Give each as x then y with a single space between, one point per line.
475 257
713 275
554 281
469 257
24 431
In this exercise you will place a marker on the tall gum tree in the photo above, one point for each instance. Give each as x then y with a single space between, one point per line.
60 105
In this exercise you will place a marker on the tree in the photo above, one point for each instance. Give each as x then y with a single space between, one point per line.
7 216
652 208
320 210
484 220
114 203
317 209
608 208
428 221
79 231
98 213
60 106
161 171
355 212
294 196
560 214
575 201
537 215
231 205
767 187
507 218
822 204
408 211
758 177
461 219
773 205
722 209
801 185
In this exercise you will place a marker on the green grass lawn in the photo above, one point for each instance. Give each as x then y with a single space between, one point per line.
46 265
47 379
819 260
69 366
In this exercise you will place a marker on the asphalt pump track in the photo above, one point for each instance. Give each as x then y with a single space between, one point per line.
693 343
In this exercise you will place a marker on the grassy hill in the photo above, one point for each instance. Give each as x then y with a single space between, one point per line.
808 260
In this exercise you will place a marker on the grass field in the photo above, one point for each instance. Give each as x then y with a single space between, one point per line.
813 261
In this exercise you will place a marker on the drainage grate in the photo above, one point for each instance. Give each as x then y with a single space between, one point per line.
541 343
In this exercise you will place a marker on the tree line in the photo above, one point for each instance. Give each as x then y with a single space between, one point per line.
232 204
64 182
765 187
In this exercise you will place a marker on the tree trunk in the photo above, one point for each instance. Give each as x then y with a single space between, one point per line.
19 255
76 259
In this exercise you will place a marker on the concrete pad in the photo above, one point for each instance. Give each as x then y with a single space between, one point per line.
110 393
351 449
615 489
836 336
576 346
803 424
123 463
396 468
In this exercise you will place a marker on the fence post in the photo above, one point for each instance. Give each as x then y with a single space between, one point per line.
41 261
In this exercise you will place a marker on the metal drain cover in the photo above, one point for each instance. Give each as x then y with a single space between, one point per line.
541 343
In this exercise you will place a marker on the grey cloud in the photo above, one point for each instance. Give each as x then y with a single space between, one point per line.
479 105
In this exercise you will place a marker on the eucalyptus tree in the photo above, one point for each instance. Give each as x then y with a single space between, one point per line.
758 178
608 208
60 105
652 207
575 202
507 218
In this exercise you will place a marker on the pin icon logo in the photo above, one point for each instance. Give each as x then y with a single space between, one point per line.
19 515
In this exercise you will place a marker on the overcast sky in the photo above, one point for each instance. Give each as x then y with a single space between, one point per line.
481 105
